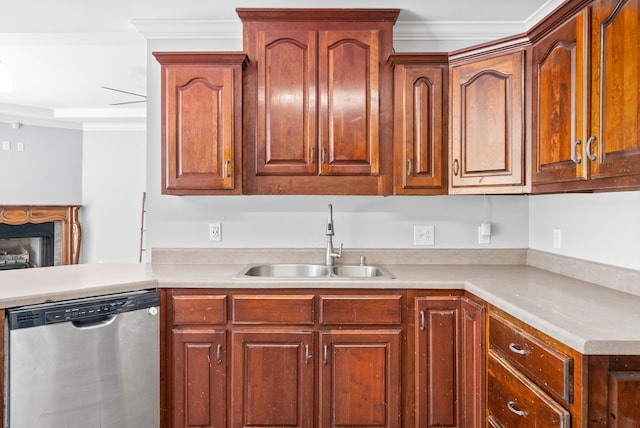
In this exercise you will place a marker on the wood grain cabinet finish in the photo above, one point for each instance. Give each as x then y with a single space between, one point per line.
314 116
487 142
515 401
586 101
560 116
449 363
532 379
420 107
272 378
360 378
201 122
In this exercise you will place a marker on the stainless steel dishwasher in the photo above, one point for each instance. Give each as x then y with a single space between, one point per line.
84 363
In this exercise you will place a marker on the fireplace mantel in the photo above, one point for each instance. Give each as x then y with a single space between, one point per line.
66 214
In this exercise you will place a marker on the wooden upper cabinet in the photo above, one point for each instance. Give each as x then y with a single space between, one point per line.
201 122
313 122
559 107
615 93
420 123
487 125
587 101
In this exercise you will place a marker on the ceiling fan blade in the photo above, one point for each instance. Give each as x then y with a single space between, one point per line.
128 102
124 92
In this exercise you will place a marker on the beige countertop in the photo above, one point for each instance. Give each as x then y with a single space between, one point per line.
587 317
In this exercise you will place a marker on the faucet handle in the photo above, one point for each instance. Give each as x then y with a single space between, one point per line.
339 253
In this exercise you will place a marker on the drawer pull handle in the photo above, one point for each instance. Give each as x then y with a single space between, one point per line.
422 321
514 348
219 354
456 167
306 354
511 405
227 172
325 355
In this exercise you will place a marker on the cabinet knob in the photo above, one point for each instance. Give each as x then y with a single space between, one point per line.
587 149
574 150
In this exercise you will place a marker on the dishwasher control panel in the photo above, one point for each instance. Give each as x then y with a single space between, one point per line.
81 310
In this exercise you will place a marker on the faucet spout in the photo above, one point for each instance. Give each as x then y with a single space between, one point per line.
331 254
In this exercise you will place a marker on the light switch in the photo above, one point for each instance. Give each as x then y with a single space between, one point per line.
6 146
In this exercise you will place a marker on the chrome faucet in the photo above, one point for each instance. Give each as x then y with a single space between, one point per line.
331 252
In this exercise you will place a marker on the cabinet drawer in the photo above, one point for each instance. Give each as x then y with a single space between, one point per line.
545 365
199 309
515 401
269 309
361 310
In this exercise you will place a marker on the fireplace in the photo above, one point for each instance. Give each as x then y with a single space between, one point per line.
37 236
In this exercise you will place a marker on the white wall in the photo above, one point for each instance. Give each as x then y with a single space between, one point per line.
600 227
113 182
300 221
47 171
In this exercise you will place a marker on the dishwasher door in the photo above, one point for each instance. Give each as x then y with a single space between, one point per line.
100 371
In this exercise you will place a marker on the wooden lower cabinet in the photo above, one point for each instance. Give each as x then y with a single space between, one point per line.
199 378
360 378
272 378
449 353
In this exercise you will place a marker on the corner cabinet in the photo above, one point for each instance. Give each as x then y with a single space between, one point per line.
315 96
420 107
201 122
488 124
586 100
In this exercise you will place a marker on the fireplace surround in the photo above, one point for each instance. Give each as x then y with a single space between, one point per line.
67 235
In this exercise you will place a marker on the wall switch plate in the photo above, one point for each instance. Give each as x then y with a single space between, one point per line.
6 145
20 146
215 232
424 235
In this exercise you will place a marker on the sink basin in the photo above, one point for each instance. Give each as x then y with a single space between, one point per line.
286 271
300 270
358 271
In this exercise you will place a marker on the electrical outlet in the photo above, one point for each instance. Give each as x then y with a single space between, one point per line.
424 235
6 146
215 232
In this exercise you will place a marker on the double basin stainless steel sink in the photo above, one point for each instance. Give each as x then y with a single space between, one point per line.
307 271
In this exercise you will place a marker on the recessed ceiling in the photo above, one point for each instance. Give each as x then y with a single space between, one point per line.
60 53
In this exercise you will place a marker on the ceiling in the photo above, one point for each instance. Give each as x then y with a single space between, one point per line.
60 53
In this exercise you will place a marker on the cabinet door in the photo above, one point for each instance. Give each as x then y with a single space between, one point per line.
615 90
419 127
272 379
201 111
449 362
287 117
472 328
199 378
438 377
487 138
360 378
559 108
349 91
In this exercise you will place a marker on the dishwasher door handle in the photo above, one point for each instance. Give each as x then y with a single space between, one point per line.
92 323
